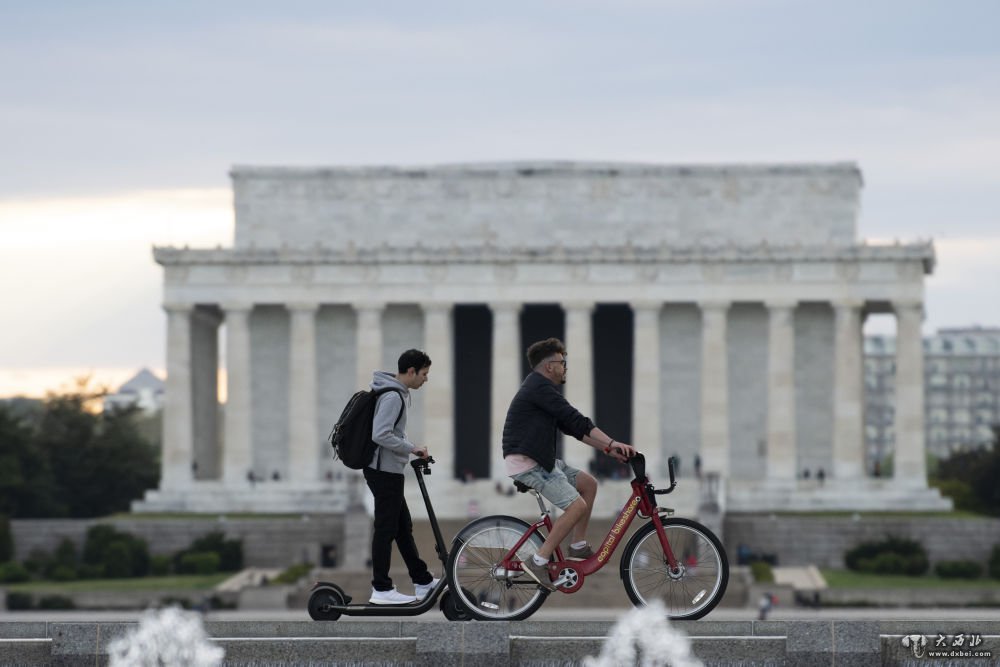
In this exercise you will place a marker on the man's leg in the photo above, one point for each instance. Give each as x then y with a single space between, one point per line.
388 493
587 486
577 510
408 548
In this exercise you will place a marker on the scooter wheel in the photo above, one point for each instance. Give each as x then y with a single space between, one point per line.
451 610
322 598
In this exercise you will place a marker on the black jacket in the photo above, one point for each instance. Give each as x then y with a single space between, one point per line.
535 413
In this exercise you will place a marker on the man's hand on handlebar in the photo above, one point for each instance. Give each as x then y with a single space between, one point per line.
420 451
620 451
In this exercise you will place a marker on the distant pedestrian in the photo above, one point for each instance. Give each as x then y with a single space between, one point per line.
697 466
764 606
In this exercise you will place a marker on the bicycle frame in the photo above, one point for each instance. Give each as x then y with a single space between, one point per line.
641 501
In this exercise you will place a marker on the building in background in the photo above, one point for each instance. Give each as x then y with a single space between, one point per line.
712 313
961 390
145 391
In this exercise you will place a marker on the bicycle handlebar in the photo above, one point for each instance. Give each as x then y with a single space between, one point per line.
638 465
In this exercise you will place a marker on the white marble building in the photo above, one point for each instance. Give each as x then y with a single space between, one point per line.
744 289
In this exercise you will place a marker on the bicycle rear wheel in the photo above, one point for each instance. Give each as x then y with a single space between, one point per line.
700 580
477 579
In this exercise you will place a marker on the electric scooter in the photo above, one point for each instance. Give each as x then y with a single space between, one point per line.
328 601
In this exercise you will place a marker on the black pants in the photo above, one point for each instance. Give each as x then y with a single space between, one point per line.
392 522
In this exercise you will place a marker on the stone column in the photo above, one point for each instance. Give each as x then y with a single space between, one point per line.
303 435
714 388
580 375
909 465
646 406
781 438
439 417
178 413
848 395
237 451
369 342
506 377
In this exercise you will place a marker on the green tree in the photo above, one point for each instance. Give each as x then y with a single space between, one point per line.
86 449
972 477
27 486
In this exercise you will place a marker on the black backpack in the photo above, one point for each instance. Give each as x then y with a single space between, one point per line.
351 436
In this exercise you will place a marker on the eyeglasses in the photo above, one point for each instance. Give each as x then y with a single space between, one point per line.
557 361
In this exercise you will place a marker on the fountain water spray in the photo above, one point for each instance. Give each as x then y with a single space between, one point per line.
168 637
644 637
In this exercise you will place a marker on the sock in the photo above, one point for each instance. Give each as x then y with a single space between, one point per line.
539 560
579 545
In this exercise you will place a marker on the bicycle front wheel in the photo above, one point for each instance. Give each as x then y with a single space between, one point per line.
477 578
698 583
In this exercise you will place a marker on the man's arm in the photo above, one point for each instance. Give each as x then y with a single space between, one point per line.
600 440
572 423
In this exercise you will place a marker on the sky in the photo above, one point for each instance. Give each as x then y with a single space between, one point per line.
119 122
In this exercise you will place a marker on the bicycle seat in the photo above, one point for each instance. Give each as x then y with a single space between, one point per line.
521 487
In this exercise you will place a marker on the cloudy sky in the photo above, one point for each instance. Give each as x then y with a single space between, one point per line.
120 120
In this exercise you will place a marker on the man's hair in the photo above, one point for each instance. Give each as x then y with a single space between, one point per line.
539 351
413 359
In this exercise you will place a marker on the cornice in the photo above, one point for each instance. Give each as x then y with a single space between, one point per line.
921 251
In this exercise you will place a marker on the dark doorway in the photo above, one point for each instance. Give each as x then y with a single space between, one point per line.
538 322
613 380
473 329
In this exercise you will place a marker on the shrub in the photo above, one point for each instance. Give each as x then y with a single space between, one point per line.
762 572
63 573
994 564
958 569
90 571
159 565
38 562
13 573
230 551
6 539
961 494
19 601
911 558
293 573
130 559
117 561
65 553
56 602
199 563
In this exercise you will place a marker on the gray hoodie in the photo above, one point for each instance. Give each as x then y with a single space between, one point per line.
390 437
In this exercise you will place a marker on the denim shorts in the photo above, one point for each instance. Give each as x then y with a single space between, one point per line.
558 487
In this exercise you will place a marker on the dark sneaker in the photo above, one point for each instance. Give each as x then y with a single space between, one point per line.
580 554
540 573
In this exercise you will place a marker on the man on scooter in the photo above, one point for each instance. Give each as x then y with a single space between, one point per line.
384 476
529 449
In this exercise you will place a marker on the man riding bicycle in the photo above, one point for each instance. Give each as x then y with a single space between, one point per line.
529 449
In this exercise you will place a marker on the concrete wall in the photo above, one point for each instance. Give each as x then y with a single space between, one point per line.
822 541
266 542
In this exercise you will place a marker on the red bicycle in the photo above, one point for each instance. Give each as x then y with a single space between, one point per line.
677 561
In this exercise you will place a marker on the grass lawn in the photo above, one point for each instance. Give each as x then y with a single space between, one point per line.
851 579
188 582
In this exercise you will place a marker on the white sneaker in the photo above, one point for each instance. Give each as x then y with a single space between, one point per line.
391 596
421 590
